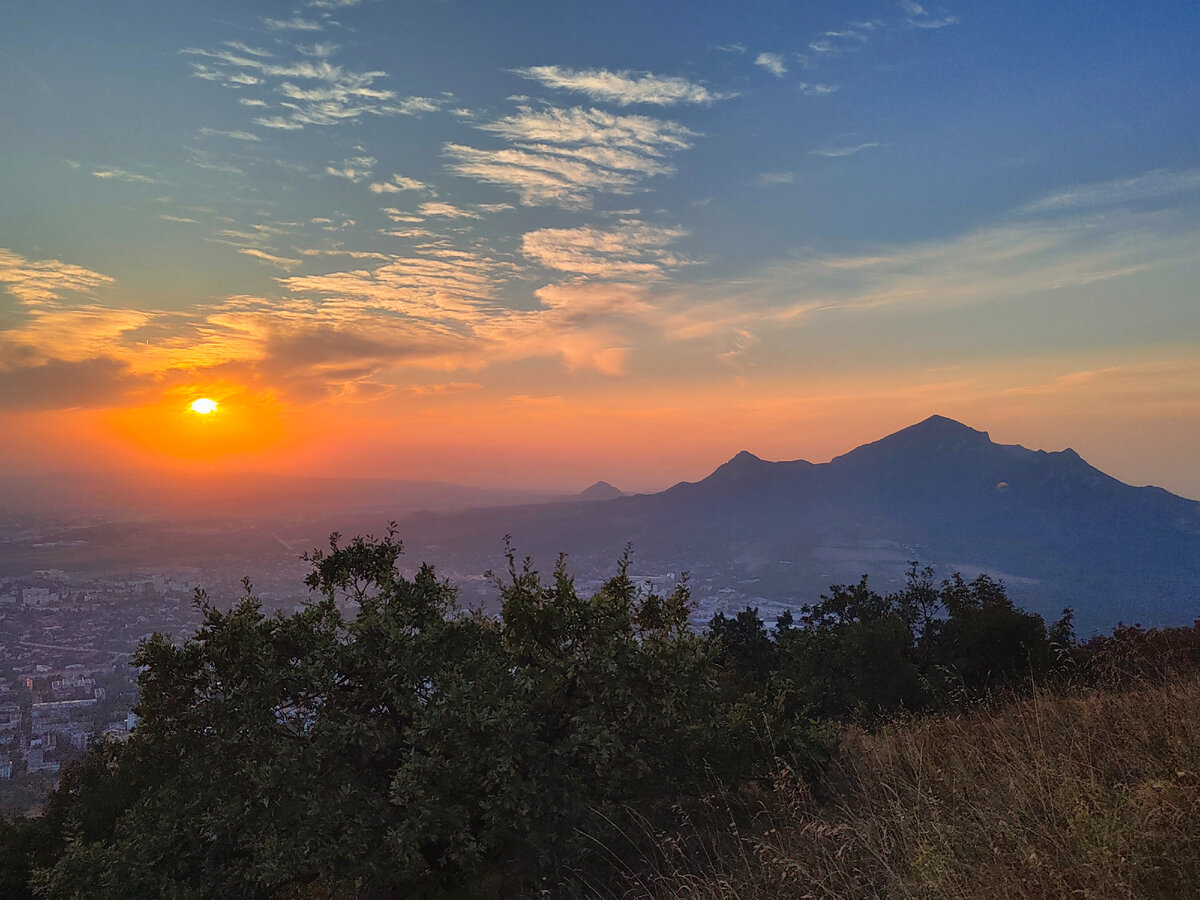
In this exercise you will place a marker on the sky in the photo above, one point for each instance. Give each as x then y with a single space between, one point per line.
537 244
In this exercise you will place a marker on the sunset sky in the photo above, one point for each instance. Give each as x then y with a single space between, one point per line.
536 244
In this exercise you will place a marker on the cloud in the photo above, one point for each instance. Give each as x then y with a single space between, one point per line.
811 89
63 384
562 157
313 91
772 62
918 17
280 262
115 174
293 24
632 250
447 210
769 179
396 184
356 169
39 281
844 151
622 88
1150 186
236 135
444 390
1014 259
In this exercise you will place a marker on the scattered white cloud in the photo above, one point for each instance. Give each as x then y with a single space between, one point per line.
622 88
43 280
398 183
563 157
812 89
321 49
169 218
919 17
631 250
279 122
357 169
313 91
446 210
772 62
400 215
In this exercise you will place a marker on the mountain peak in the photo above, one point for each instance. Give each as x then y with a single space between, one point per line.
942 428
745 456
601 490
937 433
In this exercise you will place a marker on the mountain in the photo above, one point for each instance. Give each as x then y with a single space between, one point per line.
775 534
601 490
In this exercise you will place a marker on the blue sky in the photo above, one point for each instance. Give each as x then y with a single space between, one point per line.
785 226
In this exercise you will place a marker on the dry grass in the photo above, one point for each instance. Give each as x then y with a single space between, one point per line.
1094 794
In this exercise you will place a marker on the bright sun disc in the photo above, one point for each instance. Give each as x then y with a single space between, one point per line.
204 406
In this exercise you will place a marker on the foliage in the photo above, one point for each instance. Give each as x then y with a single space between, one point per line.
407 748
862 655
383 742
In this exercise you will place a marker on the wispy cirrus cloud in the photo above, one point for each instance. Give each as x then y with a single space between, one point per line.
1149 186
280 262
235 135
294 24
622 88
835 152
630 250
770 179
562 157
312 91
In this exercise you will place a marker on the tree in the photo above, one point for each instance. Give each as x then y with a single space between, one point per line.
450 753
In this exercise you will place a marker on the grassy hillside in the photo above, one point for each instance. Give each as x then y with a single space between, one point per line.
1091 793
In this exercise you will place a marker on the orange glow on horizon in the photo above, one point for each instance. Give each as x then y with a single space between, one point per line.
207 431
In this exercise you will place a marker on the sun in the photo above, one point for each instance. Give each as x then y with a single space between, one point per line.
204 406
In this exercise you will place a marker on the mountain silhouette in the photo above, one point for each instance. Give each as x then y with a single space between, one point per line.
1057 530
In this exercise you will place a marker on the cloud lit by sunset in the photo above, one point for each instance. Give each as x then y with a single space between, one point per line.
445 242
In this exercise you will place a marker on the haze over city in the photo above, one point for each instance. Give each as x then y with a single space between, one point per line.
533 246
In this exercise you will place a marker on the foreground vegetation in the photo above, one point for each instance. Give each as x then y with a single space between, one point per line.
1083 794
382 742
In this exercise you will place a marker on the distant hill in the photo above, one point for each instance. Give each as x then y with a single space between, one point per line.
601 490
1058 531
